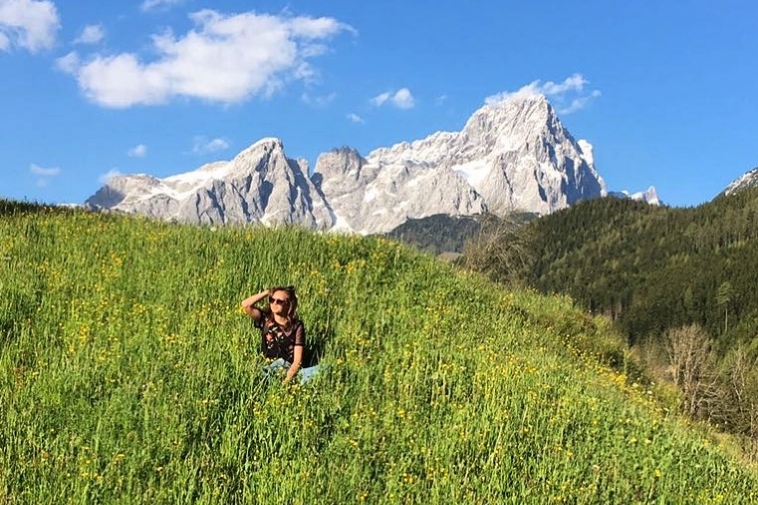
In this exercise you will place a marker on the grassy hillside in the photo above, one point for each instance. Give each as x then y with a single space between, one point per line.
128 375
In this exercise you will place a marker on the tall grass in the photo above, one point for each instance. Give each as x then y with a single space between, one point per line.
129 375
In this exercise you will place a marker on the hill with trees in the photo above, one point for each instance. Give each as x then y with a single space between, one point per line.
662 275
654 268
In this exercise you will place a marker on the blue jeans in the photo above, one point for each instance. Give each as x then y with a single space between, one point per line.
280 365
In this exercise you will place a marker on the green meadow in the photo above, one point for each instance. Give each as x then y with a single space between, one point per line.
128 374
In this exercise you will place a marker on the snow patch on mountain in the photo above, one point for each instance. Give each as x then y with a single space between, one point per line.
746 180
649 196
260 185
511 155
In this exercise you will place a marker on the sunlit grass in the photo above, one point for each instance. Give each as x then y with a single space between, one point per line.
129 375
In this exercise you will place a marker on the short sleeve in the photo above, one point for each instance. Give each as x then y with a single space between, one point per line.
261 320
300 334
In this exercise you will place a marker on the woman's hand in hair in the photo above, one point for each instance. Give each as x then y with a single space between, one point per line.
248 304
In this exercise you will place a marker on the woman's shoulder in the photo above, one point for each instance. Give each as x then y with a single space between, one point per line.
265 320
296 325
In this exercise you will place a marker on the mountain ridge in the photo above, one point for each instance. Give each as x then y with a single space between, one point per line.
514 155
747 180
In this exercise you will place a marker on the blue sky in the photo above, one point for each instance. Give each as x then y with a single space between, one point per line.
664 91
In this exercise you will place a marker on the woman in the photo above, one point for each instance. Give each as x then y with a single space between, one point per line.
282 332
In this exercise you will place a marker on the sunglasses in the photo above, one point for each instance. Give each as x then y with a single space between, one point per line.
278 301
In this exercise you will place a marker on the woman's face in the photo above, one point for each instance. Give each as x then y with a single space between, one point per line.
280 303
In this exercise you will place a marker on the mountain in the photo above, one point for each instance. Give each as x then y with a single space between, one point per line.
649 196
439 233
747 180
513 155
368 195
260 185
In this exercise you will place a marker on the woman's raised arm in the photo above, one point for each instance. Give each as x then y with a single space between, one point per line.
248 304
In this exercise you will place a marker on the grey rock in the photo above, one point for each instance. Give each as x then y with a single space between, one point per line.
510 156
260 185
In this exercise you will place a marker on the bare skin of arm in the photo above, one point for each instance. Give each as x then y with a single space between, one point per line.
296 362
248 305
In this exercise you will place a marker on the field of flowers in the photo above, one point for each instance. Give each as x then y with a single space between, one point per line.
128 374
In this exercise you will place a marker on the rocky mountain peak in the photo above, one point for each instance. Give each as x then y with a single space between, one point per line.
746 180
509 114
510 155
343 161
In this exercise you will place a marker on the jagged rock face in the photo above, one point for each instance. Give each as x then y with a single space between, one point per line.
260 185
533 162
369 196
510 156
516 156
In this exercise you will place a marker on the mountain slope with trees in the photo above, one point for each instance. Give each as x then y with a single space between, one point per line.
655 268
681 284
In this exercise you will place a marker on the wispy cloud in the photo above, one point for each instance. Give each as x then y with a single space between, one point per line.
149 5
355 118
402 99
569 96
28 24
201 145
106 177
225 58
579 103
138 151
69 63
318 101
91 34
43 174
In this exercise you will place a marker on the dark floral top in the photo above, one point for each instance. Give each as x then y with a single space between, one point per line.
278 343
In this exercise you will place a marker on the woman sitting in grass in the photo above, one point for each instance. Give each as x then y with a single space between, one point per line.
282 331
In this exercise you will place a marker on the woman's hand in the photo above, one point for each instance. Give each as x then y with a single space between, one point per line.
248 304
297 360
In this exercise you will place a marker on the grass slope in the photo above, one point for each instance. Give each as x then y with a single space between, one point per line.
128 375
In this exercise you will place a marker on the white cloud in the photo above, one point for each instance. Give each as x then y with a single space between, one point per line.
138 151
402 99
225 58
91 34
560 93
28 24
43 174
68 63
355 118
379 100
155 4
318 101
106 177
201 145
578 103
